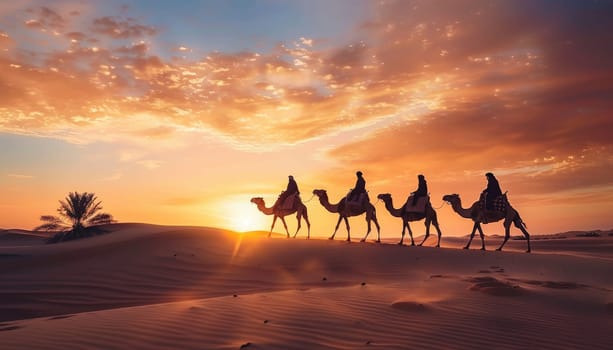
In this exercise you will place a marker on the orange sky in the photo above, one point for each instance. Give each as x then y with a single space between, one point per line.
181 115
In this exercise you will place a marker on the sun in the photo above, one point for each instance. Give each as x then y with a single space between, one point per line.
244 225
241 215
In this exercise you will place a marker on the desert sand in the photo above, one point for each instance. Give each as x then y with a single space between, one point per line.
160 287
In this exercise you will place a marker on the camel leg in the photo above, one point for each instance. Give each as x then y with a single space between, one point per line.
306 218
427 223
367 230
482 236
369 226
438 230
274 219
507 234
520 225
299 218
374 218
285 225
472 235
410 233
336 228
404 225
348 229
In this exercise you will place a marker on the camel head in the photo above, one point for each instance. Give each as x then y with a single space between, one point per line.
257 200
451 198
320 193
384 196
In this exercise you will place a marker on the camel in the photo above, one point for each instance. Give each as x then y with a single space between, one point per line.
345 211
299 208
478 216
429 215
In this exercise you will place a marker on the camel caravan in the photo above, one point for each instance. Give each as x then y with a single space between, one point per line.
492 206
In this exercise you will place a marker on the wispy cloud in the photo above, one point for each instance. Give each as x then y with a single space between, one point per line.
150 163
20 176
460 87
121 28
114 177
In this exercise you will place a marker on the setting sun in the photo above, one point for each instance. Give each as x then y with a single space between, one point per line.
240 215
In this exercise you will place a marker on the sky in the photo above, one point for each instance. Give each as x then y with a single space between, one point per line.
180 112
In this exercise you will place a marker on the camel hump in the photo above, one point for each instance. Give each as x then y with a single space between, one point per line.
356 202
290 201
419 206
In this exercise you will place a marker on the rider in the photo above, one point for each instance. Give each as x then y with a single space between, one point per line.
292 188
492 191
422 189
359 188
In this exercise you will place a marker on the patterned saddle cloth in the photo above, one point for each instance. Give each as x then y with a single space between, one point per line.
499 204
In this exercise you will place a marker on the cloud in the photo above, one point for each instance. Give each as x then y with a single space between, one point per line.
121 28
114 177
20 176
518 73
45 18
150 163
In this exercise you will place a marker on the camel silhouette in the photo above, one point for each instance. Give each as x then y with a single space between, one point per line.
479 215
429 215
299 208
344 211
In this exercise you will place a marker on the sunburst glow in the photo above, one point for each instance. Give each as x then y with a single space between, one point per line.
240 215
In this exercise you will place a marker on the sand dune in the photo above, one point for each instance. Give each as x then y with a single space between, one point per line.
160 287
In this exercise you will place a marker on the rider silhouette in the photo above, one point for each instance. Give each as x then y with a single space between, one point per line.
422 189
359 188
492 191
292 188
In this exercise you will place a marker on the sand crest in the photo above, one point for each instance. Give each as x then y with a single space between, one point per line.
157 287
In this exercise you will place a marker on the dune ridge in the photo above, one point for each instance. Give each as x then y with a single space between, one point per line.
159 287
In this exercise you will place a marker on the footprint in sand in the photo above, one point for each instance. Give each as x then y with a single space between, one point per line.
562 285
410 306
492 286
8 327
59 317
554 284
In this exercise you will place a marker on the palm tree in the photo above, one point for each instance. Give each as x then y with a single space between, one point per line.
77 212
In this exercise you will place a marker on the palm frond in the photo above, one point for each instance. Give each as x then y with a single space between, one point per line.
101 219
53 223
92 209
50 219
65 210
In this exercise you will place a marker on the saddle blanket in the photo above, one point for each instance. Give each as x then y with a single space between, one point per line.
357 202
288 203
419 207
500 204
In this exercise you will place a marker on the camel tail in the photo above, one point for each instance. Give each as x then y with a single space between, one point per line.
521 220
516 212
